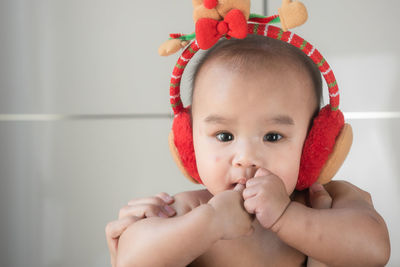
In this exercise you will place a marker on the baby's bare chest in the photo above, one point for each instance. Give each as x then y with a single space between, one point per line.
261 249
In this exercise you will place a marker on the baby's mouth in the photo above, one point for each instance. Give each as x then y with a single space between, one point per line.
232 186
240 181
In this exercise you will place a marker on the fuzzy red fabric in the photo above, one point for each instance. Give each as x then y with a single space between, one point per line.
183 139
210 4
319 145
209 31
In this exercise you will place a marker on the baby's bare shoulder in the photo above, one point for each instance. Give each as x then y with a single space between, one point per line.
188 200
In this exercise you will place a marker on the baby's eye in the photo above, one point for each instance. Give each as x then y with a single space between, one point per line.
272 137
224 137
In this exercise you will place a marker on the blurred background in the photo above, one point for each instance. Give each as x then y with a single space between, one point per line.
85 114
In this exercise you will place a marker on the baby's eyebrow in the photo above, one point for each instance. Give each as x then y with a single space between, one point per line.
278 119
281 119
216 119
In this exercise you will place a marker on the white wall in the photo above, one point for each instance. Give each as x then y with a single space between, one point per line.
63 178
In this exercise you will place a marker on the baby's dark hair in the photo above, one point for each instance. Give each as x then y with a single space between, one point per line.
254 52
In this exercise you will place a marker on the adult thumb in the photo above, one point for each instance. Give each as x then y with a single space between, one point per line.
319 197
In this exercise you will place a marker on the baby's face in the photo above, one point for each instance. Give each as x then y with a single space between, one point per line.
246 121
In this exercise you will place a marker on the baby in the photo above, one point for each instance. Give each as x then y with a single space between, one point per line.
253 103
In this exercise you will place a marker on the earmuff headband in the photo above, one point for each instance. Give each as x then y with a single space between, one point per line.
176 77
329 139
265 30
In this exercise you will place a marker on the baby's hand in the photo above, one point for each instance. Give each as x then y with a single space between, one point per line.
231 217
136 209
266 197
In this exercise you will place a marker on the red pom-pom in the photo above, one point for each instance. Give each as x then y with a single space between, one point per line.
222 27
210 4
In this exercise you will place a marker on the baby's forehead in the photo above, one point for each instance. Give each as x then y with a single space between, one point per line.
258 55
248 70
281 83
216 79
245 64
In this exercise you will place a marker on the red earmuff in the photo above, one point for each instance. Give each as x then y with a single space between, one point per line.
327 143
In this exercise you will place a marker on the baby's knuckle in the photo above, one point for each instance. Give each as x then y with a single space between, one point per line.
263 196
248 206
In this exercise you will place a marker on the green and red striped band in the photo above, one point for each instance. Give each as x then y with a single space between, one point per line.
268 31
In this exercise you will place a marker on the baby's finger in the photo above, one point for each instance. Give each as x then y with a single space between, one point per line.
146 210
262 172
250 205
239 188
166 198
254 181
250 192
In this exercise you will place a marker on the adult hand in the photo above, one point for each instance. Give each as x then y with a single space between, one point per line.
137 209
319 198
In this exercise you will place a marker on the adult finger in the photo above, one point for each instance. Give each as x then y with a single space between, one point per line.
344 192
166 198
319 198
114 230
364 194
148 200
146 210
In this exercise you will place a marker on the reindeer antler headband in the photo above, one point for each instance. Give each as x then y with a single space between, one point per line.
328 141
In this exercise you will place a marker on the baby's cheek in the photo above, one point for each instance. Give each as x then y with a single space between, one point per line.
294 176
290 183
289 173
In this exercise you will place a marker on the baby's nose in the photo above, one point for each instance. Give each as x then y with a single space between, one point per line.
247 158
244 163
